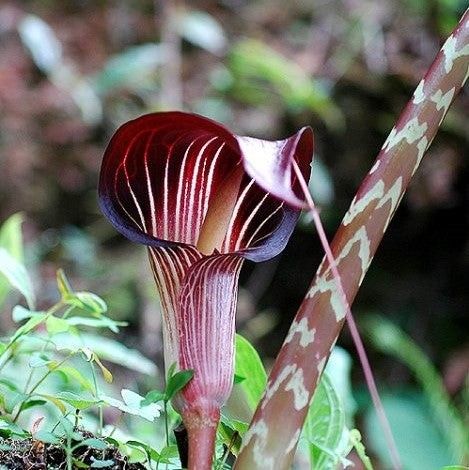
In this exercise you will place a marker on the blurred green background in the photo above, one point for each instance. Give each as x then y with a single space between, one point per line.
72 71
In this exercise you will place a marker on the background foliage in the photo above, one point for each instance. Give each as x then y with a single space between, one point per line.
72 71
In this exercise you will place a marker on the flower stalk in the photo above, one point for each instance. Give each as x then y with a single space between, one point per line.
202 200
321 316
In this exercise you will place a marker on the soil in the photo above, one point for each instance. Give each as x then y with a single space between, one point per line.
32 454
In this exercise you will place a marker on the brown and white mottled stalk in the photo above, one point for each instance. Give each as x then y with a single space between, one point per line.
273 435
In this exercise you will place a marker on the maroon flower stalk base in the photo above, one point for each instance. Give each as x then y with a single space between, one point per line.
203 200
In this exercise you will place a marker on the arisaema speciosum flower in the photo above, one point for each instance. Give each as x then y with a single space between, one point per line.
203 200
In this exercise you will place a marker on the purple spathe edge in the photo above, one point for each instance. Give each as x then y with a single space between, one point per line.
270 247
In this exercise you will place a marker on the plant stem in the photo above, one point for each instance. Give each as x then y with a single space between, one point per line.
166 428
370 381
321 315
69 453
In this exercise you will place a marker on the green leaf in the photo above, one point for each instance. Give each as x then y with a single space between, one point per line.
390 339
55 400
94 443
419 441
86 301
132 404
11 385
102 322
65 289
134 67
169 452
248 365
21 313
151 453
46 437
89 302
154 396
12 241
26 405
56 325
67 426
7 429
29 326
261 73
79 464
104 370
10 236
177 382
232 432
73 375
39 360
202 29
107 349
325 428
77 401
17 276
101 463
237 379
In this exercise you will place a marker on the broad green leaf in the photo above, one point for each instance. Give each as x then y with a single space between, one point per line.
237 379
151 453
101 463
12 241
46 437
8 428
78 401
177 382
73 376
134 400
169 452
107 349
132 404
67 426
55 400
388 338
253 63
56 325
26 405
39 360
248 365
86 301
232 431
11 385
134 67
94 443
29 326
79 464
102 322
419 441
325 428
17 276
10 236
21 313
154 396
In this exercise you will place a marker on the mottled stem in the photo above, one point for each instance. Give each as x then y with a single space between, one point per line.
201 424
273 435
